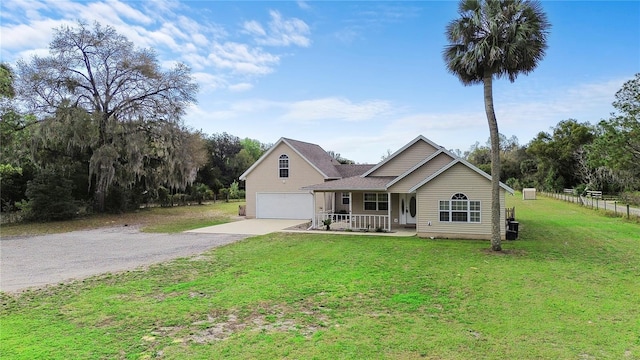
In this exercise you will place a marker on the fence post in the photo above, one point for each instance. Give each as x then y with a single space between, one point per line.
628 216
615 207
597 207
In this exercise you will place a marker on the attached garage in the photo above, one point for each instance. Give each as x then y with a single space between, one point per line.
284 206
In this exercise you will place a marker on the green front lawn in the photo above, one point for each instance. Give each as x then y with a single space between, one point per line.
569 288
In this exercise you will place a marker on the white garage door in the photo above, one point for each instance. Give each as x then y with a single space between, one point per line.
284 206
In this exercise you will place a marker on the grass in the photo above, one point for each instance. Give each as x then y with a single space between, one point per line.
155 219
567 289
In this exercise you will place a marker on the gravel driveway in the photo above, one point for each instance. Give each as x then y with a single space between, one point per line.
51 259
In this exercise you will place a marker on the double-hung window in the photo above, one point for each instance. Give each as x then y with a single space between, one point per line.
459 209
283 166
376 201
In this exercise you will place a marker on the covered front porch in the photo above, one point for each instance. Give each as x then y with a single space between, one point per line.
365 211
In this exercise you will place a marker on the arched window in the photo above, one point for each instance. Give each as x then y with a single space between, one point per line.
459 209
283 166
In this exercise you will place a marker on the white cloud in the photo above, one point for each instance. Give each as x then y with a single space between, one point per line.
129 12
304 5
162 26
426 122
209 81
586 102
240 87
242 59
335 109
254 28
200 39
29 36
282 31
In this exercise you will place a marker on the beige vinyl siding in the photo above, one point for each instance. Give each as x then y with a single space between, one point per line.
358 204
421 173
405 160
339 205
457 179
266 178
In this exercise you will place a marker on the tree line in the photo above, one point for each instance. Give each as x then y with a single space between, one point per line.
97 125
604 156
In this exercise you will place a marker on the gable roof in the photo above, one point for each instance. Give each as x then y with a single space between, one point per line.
316 156
420 164
392 156
382 183
450 165
311 153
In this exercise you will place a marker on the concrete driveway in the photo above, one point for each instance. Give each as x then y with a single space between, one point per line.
37 261
250 227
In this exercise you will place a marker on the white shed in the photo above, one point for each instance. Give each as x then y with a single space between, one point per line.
528 194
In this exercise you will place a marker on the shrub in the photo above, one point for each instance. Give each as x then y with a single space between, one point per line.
164 196
200 192
224 194
50 197
327 224
580 189
514 184
631 197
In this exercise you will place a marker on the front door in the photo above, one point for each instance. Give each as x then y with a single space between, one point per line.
408 209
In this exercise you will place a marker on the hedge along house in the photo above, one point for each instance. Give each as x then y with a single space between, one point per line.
421 185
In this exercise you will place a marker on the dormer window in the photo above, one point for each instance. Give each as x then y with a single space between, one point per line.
283 166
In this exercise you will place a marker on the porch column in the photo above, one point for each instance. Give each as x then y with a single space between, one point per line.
313 216
350 209
389 210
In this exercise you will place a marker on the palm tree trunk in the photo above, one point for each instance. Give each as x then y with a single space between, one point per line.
496 237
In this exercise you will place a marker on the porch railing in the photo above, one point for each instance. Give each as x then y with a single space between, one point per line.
354 221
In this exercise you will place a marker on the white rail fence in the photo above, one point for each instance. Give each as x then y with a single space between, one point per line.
363 222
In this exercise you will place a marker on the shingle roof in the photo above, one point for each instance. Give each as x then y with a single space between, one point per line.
354 183
317 156
349 170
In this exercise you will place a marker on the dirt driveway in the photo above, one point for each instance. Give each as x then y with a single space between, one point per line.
51 259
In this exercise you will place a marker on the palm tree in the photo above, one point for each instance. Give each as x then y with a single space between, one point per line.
495 38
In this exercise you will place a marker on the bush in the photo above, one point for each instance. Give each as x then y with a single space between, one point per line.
224 194
50 197
242 194
514 184
580 189
164 196
631 197
200 192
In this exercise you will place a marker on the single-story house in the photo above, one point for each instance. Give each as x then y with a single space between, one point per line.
421 186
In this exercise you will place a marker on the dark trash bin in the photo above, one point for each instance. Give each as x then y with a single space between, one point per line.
512 230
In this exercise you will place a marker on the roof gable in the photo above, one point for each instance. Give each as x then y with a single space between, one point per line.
419 172
450 165
311 153
316 156
395 156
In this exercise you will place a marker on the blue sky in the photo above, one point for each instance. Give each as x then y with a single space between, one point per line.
358 77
